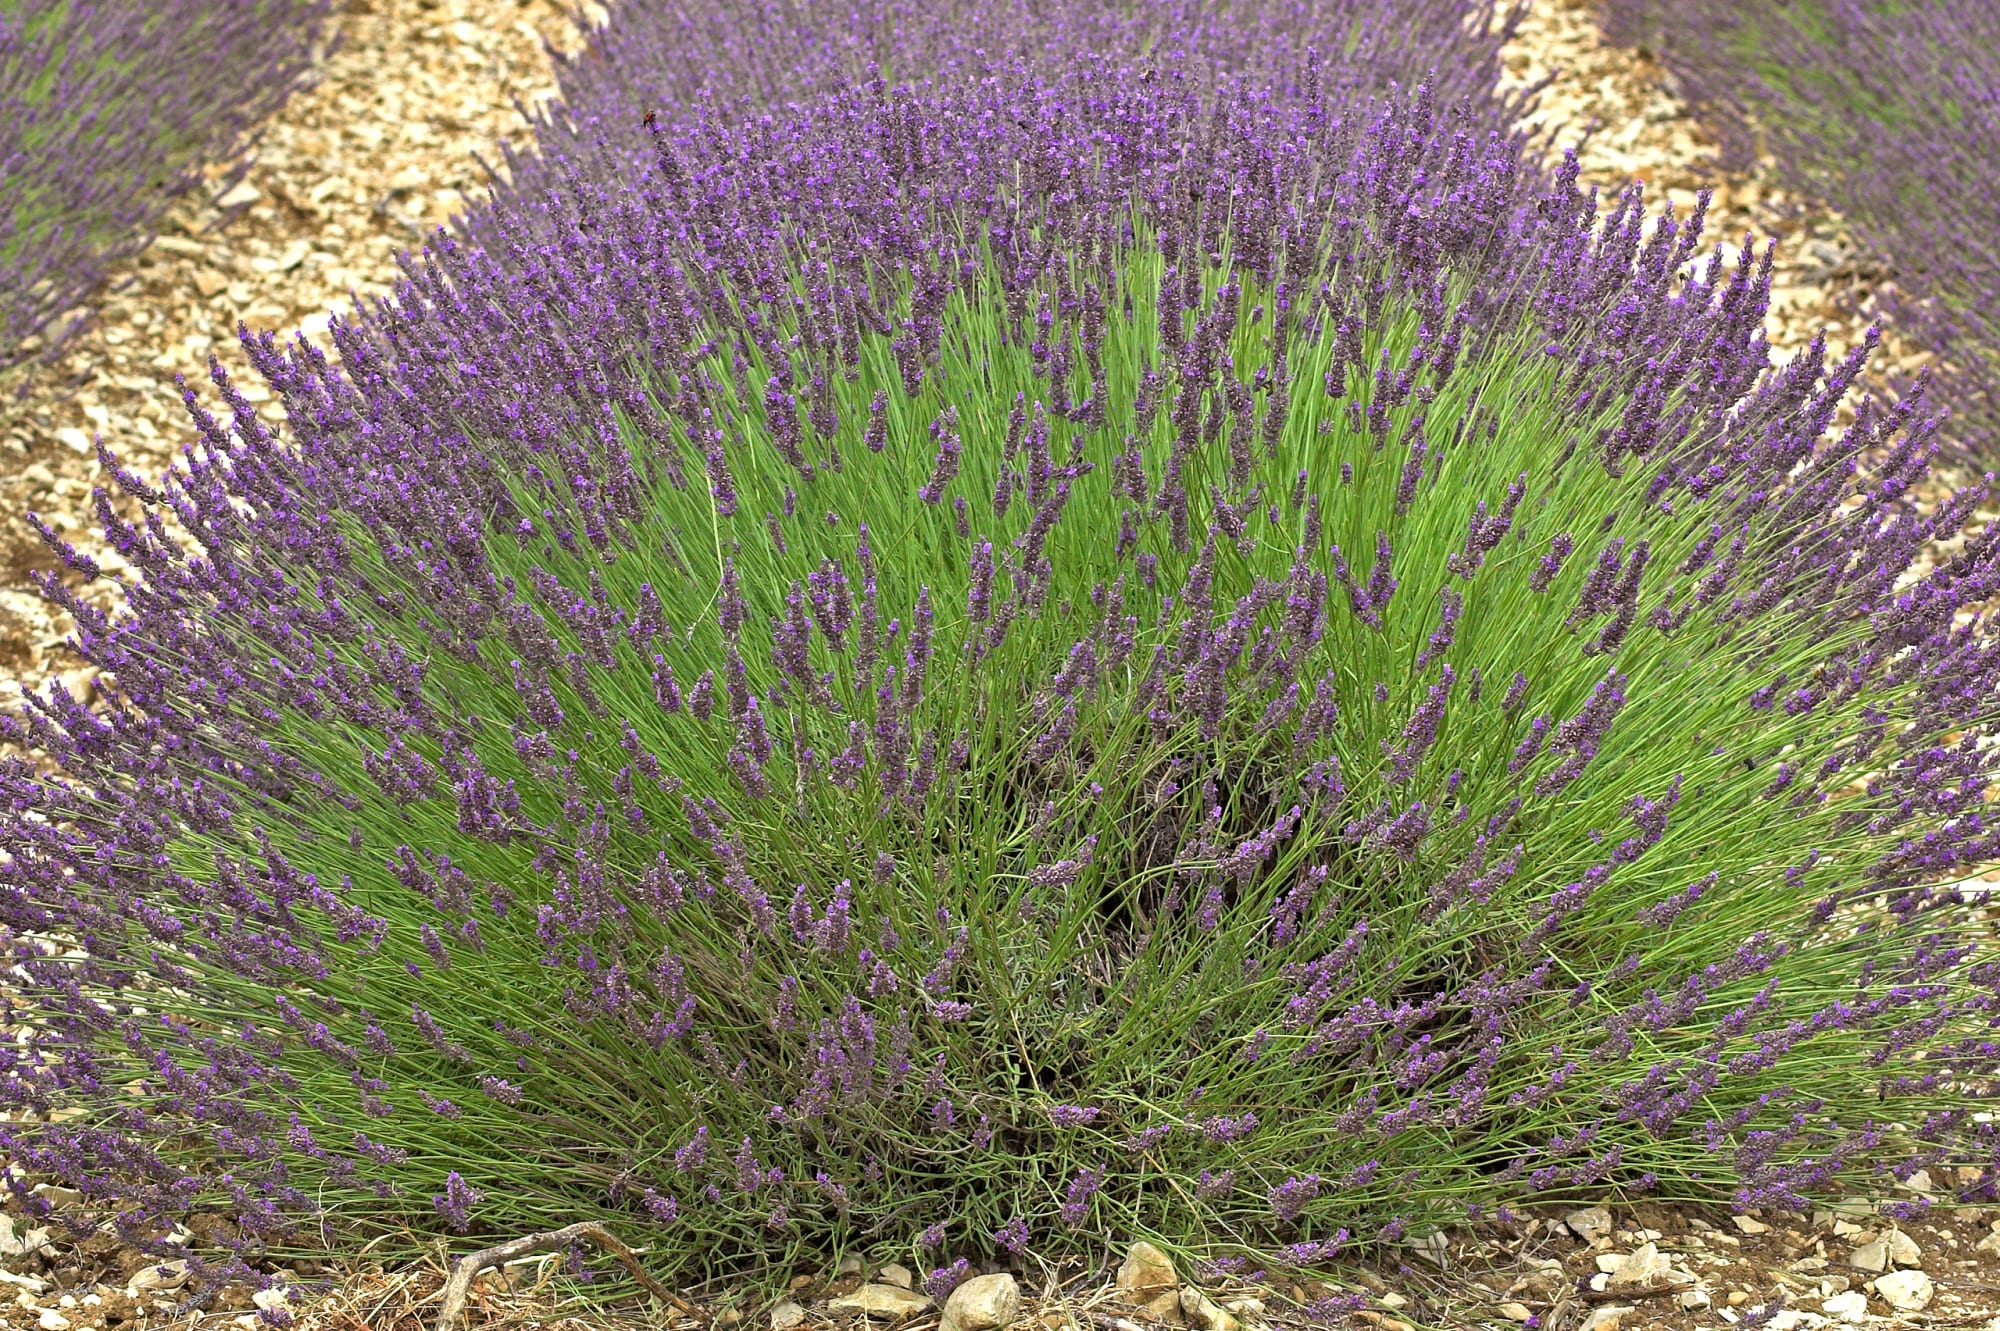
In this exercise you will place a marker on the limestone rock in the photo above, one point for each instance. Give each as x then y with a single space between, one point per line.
1590 1223
1871 1256
1849 1307
983 1303
785 1314
888 1302
1894 1248
1145 1272
897 1275
277 1296
1166 1308
1749 1224
1206 1313
161 1275
1605 1318
1906 1291
1515 1312
1645 1269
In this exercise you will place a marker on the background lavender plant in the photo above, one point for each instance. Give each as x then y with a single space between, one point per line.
1887 112
1066 649
107 111
685 63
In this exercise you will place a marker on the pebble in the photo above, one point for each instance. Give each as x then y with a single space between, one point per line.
785 1314
1749 1224
983 1303
1206 1313
1906 1291
1515 1312
1894 1248
897 1275
1145 1272
161 1275
1645 1270
1589 1223
1849 1307
890 1302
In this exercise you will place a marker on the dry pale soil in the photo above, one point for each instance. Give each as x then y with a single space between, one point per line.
382 150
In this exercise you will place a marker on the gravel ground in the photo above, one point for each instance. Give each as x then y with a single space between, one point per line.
381 151
364 165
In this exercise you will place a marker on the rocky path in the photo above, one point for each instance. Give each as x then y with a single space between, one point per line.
363 165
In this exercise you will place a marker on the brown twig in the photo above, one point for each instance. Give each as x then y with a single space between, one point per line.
459 1287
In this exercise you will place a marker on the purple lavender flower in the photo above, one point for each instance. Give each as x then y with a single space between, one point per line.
455 1203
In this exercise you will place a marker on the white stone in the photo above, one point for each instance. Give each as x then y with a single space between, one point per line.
242 196
1906 1291
1432 1248
277 1296
1605 1318
1894 1248
896 1274
1849 1307
1796 1319
161 1275
885 1301
76 441
983 1303
1206 1312
785 1314
51 1320
1588 1224
1749 1225
1872 1256
1647 1268
1515 1312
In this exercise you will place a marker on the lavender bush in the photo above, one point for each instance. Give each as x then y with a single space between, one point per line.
1066 650
1889 113
107 110
684 61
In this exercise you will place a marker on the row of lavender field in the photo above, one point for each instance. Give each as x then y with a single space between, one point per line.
110 108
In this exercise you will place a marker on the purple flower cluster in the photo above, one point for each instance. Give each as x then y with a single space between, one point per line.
798 685
107 112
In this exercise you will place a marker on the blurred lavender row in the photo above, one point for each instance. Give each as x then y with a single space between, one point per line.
1891 115
712 59
107 113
